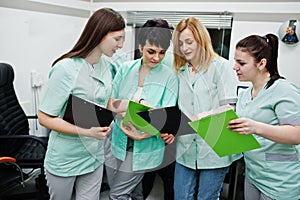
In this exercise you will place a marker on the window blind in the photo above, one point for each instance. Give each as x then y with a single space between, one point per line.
221 20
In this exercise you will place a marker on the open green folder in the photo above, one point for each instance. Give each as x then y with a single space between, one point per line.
213 129
141 124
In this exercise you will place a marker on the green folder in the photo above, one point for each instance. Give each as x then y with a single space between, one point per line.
141 124
213 129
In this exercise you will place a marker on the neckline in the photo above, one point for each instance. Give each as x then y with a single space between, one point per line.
263 88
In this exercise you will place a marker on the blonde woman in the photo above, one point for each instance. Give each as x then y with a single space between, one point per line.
206 81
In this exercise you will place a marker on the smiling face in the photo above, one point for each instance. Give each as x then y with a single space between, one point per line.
152 55
188 46
112 42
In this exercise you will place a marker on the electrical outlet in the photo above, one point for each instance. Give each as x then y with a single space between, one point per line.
36 79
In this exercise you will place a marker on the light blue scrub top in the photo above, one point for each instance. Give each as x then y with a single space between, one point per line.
274 168
210 89
70 155
160 90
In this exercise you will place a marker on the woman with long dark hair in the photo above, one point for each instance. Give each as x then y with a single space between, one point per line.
75 155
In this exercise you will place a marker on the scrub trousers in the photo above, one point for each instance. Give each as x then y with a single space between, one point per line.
83 187
123 182
252 193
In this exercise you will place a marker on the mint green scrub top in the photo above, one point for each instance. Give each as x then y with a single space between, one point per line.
211 88
274 168
169 58
71 155
160 90
116 60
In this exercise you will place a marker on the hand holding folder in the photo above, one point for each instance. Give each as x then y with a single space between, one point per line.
168 120
211 126
136 120
87 114
157 120
131 132
213 129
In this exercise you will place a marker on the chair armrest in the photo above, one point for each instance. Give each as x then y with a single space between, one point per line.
7 159
12 161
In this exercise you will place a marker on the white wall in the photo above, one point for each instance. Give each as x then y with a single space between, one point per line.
288 58
30 41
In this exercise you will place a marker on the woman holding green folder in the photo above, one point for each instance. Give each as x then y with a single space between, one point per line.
270 110
206 81
146 81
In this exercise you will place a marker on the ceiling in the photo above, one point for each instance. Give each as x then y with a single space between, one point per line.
253 10
99 1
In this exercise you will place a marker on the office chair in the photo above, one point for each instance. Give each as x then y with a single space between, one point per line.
15 140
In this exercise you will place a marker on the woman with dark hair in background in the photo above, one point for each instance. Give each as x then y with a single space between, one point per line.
270 110
75 155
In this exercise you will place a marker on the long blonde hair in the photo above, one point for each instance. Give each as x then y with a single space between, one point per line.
201 36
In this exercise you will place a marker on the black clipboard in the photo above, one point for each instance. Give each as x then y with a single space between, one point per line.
168 120
87 114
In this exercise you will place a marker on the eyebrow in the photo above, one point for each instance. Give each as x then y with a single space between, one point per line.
151 49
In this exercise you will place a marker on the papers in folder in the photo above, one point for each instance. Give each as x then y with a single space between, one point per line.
87 114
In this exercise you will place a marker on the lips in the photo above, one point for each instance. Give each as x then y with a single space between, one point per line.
187 54
240 76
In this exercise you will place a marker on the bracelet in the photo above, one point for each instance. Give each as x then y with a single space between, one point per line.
141 100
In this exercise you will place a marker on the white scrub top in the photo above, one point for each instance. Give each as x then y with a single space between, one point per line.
209 89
